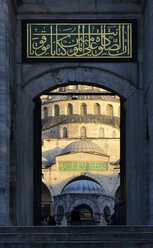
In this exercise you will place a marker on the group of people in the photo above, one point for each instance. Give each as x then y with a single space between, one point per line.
113 220
76 215
116 216
48 221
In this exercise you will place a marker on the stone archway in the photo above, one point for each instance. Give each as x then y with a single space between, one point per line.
89 202
100 78
46 203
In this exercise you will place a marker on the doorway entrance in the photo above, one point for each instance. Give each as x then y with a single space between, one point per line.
81 137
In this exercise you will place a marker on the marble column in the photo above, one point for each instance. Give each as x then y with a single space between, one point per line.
4 115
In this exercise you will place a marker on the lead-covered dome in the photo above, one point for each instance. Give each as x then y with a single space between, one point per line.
83 146
83 187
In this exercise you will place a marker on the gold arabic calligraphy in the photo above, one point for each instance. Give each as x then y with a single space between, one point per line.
52 40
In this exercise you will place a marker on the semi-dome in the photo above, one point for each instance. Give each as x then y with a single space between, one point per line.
83 187
84 146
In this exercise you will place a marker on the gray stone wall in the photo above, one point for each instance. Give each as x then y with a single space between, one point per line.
12 92
123 78
7 89
137 79
7 112
148 100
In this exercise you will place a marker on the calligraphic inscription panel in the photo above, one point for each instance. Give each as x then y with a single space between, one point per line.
79 41
82 166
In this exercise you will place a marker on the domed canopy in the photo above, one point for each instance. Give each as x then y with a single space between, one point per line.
83 146
83 187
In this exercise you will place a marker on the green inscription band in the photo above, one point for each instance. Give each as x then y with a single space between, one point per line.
82 166
78 40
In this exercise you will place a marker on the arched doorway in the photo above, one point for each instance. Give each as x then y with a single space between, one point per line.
46 202
88 147
110 81
87 215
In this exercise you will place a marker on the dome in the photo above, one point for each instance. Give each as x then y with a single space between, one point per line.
86 95
83 146
83 187
64 119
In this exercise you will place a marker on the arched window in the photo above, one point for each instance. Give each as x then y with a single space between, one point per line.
109 110
83 109
101 132
83 132
114 134
119 112
56 110
64 132
70 109
45 112
97 109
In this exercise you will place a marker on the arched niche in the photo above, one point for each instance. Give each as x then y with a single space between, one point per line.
56 110
45 112
97 110
70 109
65 132
46 204
83 132
131 135
83 109
109 110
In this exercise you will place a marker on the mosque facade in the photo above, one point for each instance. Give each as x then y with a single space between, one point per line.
81 144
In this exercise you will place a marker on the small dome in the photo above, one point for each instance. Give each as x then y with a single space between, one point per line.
83 146
83 187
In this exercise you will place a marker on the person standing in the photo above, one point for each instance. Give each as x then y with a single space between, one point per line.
76 216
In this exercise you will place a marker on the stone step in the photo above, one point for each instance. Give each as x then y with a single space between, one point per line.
80 244
49 237
75 229
77 237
